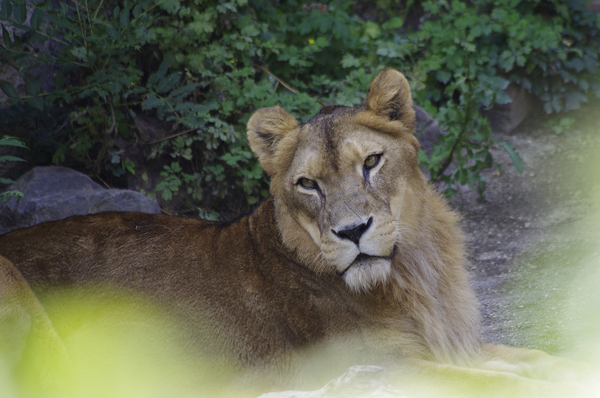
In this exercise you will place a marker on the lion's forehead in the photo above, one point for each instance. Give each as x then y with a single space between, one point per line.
336 147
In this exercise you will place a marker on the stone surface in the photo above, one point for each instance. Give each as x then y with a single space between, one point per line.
362 381
507 117
427 129
533 242
53 193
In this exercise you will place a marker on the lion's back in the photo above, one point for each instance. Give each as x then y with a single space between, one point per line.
101 246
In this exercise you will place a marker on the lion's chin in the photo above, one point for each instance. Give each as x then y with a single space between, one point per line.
366 272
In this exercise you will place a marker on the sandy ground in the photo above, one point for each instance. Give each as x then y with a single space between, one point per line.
534 242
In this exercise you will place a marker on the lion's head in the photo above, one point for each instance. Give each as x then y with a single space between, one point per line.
343 182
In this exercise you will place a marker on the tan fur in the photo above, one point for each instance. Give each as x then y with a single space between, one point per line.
296 272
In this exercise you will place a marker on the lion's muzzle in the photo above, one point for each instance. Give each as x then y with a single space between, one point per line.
353 233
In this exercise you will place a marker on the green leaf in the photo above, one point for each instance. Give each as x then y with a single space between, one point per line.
577 64
170 6
17 40
152 102
37 17
574 97
514 156
502 98
137 10
36 39
450 192
36 102
9 158
112 32
11 141
349 61
443 76
124 19
128 165
163 68
166 194
480 135
9 89
32 85
371 30
79 53
189 88
393 23
64 8
6 11
59 81
20 12
6 37
6 181
59 156
10 194
162 71
167 83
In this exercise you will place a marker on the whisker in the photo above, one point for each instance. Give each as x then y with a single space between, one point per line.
317 266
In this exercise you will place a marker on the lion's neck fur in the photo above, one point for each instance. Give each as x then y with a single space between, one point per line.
428 278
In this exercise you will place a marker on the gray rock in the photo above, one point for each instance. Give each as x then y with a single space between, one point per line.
53 193
507 117
427 128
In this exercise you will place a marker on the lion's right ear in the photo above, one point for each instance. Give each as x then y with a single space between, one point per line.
266 129
390 96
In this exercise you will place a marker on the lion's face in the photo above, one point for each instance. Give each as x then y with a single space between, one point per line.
340 182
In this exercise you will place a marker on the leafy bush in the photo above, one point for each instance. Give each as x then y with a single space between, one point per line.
8 141
204 68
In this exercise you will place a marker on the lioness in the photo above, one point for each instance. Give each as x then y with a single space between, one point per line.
353 241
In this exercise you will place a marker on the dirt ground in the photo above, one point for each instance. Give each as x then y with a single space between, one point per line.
534 241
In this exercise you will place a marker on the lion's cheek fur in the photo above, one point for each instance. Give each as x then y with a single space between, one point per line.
301 239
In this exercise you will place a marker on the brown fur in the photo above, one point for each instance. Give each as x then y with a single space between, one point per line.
283 277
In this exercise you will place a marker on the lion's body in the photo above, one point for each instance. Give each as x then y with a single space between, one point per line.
354 241
262 301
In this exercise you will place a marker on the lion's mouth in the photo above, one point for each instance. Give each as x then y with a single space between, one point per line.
363 259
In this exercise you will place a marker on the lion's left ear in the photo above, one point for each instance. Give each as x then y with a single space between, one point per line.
390 96
266 129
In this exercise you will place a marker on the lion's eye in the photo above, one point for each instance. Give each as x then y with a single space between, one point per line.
372 161
307 183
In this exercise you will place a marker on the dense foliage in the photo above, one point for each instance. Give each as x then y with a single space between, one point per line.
202 68
8 141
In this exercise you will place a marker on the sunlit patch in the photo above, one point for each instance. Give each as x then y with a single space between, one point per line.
558 309
117 346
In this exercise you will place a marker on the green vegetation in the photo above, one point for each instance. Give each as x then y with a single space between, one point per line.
8 141
202 67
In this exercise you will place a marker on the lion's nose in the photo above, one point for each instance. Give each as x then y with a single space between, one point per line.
354 232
